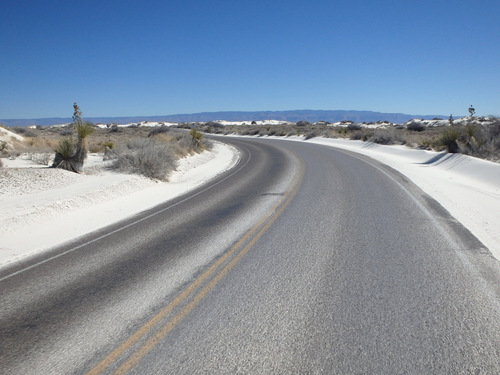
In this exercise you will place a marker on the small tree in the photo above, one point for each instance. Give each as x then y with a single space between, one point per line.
71 155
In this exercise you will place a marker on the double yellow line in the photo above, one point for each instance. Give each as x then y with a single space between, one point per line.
257 232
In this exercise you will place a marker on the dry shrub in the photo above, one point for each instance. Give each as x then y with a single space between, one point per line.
387 136
159 130
415 126
145 157
449 139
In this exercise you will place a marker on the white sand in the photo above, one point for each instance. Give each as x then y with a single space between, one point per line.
42 207
7 136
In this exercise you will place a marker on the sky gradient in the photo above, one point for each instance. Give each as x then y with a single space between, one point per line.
131 58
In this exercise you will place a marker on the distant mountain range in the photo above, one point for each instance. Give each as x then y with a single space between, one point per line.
291 116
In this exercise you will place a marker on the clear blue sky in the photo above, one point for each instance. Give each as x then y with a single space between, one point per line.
127 58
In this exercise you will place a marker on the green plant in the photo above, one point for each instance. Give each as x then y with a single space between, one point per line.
425 143
449 138
84 129
66 148
470 129
65 151
196 137
109 144
75 161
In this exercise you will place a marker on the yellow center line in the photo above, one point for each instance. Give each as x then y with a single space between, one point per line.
113 356
171 306
151 343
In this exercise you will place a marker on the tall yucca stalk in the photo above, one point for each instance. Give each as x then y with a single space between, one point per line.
71 156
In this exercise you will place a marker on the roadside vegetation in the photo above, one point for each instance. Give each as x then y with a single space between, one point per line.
154 151
475 136
149 151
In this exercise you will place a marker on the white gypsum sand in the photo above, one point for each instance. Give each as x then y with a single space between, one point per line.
42 207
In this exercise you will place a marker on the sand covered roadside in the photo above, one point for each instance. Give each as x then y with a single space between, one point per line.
42 207
467 187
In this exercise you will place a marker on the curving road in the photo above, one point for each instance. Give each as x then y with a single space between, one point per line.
302 259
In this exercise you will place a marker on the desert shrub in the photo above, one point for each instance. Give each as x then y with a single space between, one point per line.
311 134
44 158
303 123
415 126
185 125
354 127
214 124
95 147
388 136
449 138
145 157
196 137
425 143
25 132
108 144
66 131
158 130
30 141
471 129
250 131
342 130
491 140
113 128
278 131
3 146
183 145
1 163
357 136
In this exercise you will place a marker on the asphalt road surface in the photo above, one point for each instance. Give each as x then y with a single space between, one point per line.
302 259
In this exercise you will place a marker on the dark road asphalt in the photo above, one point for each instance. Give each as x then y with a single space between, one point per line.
303 259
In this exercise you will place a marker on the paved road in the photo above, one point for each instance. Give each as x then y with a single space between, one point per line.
302 259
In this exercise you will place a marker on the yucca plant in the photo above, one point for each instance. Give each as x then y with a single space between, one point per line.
70 156
64 154
449 138
196 137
